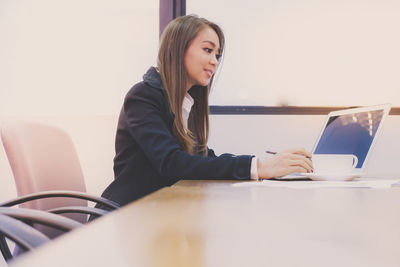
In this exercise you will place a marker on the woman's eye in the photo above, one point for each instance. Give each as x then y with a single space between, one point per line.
208 50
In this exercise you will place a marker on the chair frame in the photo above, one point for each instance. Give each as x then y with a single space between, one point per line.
25 236
42 217
93 212
111 205
14 224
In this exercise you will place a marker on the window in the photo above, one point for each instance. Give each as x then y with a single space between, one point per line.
306 53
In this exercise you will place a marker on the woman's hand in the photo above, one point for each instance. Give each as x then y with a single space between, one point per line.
284 163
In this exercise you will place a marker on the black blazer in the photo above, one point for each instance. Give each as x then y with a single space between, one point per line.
148 157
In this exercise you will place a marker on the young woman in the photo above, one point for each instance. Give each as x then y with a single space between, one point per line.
163 126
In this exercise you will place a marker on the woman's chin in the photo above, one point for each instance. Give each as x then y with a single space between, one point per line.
202 84
206 83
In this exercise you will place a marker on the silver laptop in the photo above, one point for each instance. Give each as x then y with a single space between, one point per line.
350 131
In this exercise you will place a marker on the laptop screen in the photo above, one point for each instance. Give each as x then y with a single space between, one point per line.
350 134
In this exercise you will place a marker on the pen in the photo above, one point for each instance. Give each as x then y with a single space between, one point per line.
273 153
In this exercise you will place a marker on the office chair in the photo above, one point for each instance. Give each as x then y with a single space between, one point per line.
25 236
45 164
15 225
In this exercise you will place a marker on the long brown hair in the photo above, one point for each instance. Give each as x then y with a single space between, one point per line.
175 41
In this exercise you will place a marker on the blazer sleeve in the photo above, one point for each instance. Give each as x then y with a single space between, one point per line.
147 125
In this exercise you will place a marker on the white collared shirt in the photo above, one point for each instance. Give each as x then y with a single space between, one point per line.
187 104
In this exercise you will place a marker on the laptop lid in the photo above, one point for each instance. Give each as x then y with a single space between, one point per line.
352 131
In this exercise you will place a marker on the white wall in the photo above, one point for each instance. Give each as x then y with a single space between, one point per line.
73 57
70 63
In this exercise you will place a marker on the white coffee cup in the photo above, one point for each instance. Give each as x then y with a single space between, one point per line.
334 163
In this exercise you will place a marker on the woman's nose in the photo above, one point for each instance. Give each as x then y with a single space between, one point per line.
214 60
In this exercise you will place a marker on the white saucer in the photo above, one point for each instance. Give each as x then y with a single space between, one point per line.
332 176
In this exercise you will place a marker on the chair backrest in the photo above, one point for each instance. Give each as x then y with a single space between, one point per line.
43 157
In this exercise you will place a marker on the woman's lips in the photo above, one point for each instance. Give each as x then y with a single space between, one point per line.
209 73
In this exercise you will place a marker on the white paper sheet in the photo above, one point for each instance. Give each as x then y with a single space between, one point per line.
378 183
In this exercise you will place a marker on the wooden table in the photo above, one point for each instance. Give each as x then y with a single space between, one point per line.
212 223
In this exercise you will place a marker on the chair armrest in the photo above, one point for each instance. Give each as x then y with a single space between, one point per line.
78 209
22 234
42 217
60 193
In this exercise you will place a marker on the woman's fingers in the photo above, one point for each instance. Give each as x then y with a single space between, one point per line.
300 151
303 164
298 169
303 159
283 163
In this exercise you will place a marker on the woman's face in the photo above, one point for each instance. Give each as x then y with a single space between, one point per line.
201 58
